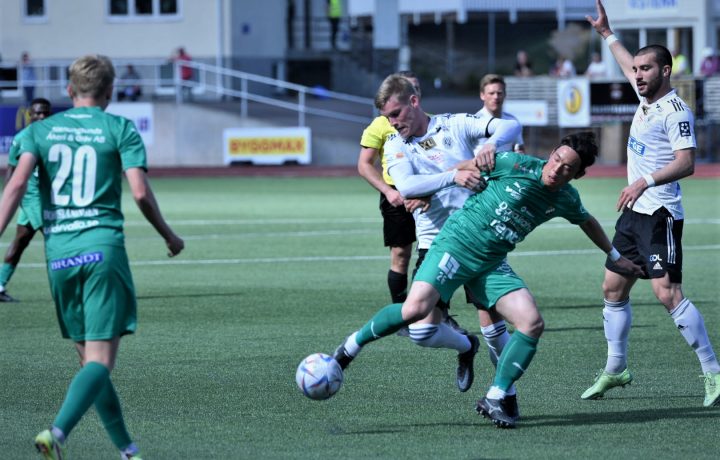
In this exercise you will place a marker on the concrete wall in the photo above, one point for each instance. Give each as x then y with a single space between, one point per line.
191 135
78 27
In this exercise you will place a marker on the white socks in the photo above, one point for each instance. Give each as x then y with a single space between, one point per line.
617 319
438 336
496 336
351 345
690 323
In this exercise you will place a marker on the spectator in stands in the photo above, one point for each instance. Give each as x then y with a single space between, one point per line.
334 12
597 68
710 64
28 77
186 72
564 67
132 89
523 66
680 65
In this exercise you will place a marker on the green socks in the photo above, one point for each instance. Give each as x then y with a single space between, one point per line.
385 322
514 360
84 389
6 272
108 408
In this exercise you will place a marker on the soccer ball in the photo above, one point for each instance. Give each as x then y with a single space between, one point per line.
319 376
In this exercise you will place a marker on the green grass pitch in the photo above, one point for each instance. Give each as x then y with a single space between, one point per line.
276 269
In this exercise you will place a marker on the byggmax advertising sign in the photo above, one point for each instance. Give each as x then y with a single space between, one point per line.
267 146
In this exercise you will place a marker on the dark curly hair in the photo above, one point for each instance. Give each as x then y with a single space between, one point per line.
585 145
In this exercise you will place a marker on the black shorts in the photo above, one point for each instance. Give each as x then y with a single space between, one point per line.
398 224
653 242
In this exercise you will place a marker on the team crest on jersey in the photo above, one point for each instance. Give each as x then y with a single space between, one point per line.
427 144
636 146
447 142
684 127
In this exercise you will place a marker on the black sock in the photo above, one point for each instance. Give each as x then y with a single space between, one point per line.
397 282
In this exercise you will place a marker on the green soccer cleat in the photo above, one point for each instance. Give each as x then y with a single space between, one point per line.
712 389
49 446
605 381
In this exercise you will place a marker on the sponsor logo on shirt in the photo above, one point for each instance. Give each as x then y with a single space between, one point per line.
427 144
684 127
76 261
636 146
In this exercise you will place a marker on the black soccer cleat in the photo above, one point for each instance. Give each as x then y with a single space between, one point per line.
511 406
5 297
465 370
496 412
450 321
342 356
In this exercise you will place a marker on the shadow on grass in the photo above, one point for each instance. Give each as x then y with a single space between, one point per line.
621 417
578 419
596 305
590 328
184 295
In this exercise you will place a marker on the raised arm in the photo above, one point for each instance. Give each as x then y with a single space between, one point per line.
621 54
595 232
145 200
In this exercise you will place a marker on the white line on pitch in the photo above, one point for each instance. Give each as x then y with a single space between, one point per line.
268 260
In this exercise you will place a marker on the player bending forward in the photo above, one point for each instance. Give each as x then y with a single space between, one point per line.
522 193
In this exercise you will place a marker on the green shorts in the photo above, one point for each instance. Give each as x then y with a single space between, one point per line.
30 216
94 294
488 282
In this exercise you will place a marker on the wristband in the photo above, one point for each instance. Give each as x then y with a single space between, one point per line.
649 179
610 39
614 254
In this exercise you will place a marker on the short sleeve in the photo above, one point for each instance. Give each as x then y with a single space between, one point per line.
131 147
680 126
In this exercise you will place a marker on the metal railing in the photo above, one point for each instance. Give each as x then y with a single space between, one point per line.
162 78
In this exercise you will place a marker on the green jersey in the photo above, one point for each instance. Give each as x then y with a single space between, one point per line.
32 194
515 201
81 154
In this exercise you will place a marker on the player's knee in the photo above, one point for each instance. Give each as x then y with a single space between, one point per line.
532 325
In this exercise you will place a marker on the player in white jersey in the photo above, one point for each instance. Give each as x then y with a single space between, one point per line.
444 142
492 94
661 151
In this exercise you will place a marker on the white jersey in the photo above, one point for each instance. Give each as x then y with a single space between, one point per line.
484 114
657 131
422 166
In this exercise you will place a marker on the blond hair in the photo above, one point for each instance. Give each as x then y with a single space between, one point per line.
91 76
394 85
489 79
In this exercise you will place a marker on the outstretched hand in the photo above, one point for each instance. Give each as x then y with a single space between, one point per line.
601 24
485 157
422 203
630 194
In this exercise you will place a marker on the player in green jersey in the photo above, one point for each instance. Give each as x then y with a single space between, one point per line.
522 193
30 219
81 155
